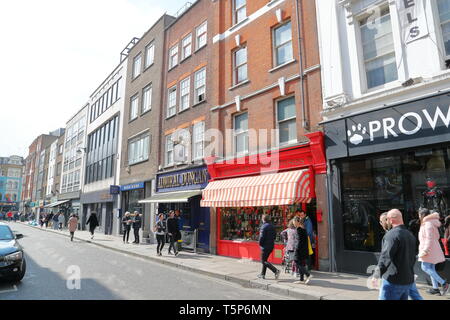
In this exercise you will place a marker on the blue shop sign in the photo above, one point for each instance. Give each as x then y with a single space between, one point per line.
114 189
132 186
188 179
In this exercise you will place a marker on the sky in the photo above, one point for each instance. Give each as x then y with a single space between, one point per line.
55 53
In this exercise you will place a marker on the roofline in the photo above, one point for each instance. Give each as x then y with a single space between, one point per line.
185 12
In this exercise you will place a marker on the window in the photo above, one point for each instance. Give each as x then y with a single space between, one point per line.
173 56
134 106
378 49
187 46
147 98
172 102
240 65
200 38
199 137
241 133
138 149
184 94
287 129
283 44
169 150
200 86
136 66
444 18
149 55
240 12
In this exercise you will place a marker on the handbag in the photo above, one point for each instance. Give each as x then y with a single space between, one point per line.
310 250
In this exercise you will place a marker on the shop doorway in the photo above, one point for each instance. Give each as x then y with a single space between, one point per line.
109 218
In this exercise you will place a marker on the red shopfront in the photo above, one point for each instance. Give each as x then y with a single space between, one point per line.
277 183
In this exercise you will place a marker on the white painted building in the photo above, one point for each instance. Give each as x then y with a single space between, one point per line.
385 67
104 143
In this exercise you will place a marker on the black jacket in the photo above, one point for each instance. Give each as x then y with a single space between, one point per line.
137 223
301 247
172 226
398 256
125 224
92 221
267 236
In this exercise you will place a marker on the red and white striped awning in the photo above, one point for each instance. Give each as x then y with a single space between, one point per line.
284 188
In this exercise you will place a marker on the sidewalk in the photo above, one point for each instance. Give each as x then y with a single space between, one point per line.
323 286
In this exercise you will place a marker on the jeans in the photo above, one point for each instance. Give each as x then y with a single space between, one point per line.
71 235
126 233
55 225
161 240
430 269
136 235
172 243
302 266
265 264
414 293
390 291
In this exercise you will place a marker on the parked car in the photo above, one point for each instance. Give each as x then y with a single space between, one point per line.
12 259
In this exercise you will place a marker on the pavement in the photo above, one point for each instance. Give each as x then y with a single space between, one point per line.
323 286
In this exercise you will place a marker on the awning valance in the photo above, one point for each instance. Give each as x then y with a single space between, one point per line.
172 197
55 204
284 188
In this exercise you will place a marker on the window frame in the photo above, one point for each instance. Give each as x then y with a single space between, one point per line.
132 99
151 46
169 141
137 57
236 10
175 54
195 142
236 134
169 100
183 47
188 94
138 145
198 36
236 67
202 86
290 142
149 88
275 47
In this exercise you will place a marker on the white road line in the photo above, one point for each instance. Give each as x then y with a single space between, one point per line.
10 290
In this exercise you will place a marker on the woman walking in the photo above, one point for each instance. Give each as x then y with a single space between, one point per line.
93 223
430 252
126 223
72 224
289 237
160 231
302 250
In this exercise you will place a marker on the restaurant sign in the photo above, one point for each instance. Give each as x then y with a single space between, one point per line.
183 180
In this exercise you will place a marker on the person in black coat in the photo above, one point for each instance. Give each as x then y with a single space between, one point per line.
137 223
172 230
267 236
126 223
301 254
93 223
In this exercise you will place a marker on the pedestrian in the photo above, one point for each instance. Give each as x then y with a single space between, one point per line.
309 231
397 259
93 223
73 225
289 237
172 230
413 292
160 231
55 221
446 238
267 237
137 223
9 216
61 221
301 255
16 216
180 221
430 252
126 223
48 217
42 221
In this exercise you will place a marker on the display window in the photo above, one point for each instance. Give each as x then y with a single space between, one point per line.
406 180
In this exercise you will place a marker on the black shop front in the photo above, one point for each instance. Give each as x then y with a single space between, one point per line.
394 157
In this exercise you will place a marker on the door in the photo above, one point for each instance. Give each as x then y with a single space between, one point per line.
109 218
201 223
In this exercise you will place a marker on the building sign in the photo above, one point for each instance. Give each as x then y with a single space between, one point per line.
132 186
114 189
8 204
183 180
412 19
417 123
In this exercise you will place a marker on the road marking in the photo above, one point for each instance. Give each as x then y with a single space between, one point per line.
10 290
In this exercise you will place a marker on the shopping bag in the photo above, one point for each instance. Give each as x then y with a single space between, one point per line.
310 250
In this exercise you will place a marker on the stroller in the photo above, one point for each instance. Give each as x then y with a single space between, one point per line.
288 261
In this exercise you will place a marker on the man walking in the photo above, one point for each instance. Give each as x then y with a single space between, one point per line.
397 259
137 223
172 230
267 236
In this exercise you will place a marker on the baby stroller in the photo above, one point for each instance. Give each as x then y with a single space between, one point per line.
288 261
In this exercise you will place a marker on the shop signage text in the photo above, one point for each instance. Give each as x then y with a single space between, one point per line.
183 179
114 189
412 19
132 186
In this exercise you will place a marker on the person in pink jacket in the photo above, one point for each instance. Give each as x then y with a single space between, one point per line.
430 252
73 225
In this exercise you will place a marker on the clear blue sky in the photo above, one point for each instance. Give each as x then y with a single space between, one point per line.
55 53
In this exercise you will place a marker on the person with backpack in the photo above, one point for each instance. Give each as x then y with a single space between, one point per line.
160 231
430 252
93 223
126 223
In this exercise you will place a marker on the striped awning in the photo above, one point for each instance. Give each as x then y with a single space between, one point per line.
284 188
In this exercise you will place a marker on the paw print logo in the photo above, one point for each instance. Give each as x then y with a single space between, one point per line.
356 133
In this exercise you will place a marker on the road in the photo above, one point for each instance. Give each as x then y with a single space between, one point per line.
54 263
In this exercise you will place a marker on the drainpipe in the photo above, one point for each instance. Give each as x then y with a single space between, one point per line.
305 122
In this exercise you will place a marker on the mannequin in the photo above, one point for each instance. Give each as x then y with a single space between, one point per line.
433 198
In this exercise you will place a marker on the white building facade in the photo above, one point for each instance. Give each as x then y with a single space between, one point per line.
100 190
385 85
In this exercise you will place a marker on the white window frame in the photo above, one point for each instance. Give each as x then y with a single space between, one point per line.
199 85
149 55
237 67
186 46
147 105
169 150
293 141
138 149
275 47
198 143
241 132
137 67
171 102
173 56
237 9
185 89
200 35
134 115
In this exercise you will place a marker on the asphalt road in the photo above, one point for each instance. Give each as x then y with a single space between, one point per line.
63 270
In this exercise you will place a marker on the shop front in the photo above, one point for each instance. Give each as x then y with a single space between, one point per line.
103 203
396 157
181 191
277 183
131 194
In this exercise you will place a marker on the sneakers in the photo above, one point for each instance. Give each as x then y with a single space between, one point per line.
176 253
308 278
445 288
434 291
261 276
277 274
